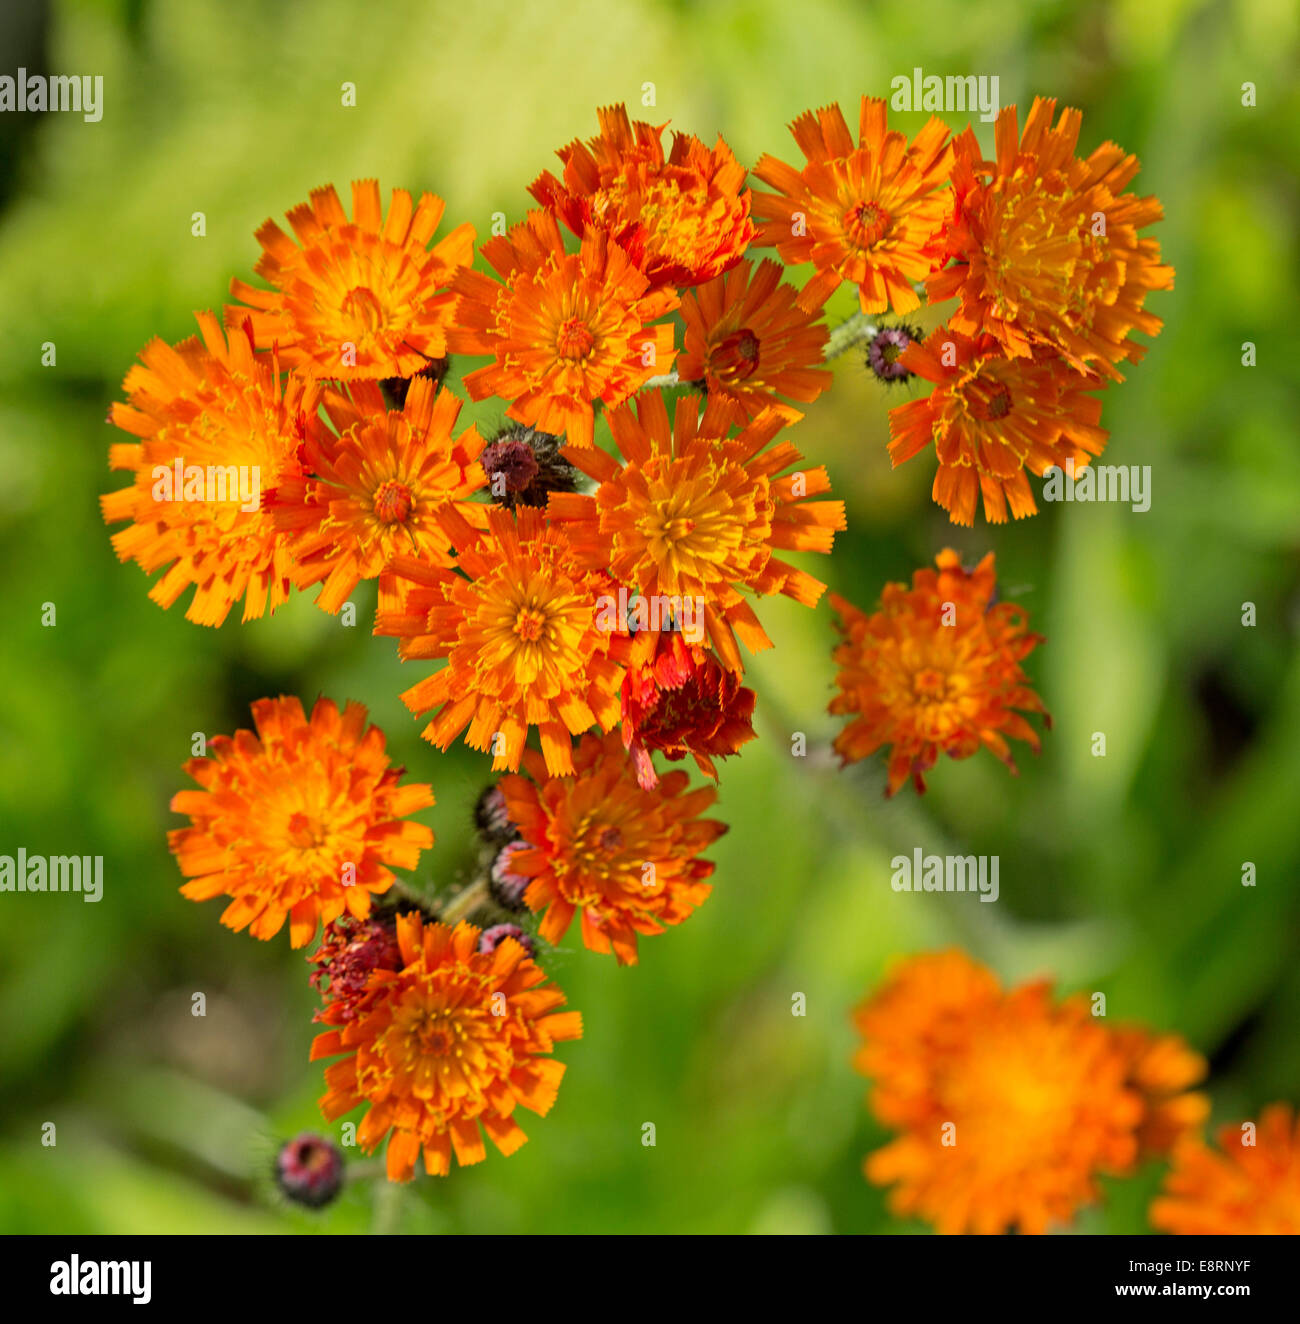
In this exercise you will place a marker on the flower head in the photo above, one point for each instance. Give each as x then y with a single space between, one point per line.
309 1170
599 845
450 1042
683 217
1163 1069
871 212
991 419
748 341
693 518
350 951
885 351
378 480
1047 247
359 298
1249 1184
683 701
517 622
217 427
1039 1095
564 330
299 820
936 670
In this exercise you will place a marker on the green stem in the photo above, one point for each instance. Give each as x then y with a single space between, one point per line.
852 331
464 902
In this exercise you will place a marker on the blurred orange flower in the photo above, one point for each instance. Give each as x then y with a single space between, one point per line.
1009 1105
1250 1184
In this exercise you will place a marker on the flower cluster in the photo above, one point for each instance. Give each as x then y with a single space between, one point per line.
1040 248
1010 1104
580 605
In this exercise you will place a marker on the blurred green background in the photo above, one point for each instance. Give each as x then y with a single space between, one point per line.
1119 873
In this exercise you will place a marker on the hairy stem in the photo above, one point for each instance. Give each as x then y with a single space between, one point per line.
852 331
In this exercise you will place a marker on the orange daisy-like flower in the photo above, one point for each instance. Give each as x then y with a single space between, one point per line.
991 418
870 212
684 702
452 1041
1163 1069
695 514
378 481
299 820
519 623
748 341
565 330
1250 1184
684 218
936 670
359 298
1009 1105
597 842
217 429
1047 245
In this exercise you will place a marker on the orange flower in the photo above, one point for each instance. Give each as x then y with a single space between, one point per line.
1251 1184
1009 1105
360 298
454 1039
936 670
871 213
566 329
598 843
683 218
519 628
217 429
748 341
376 486
1162 1069
300 820
693 516
991 418
1047 245
684 702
